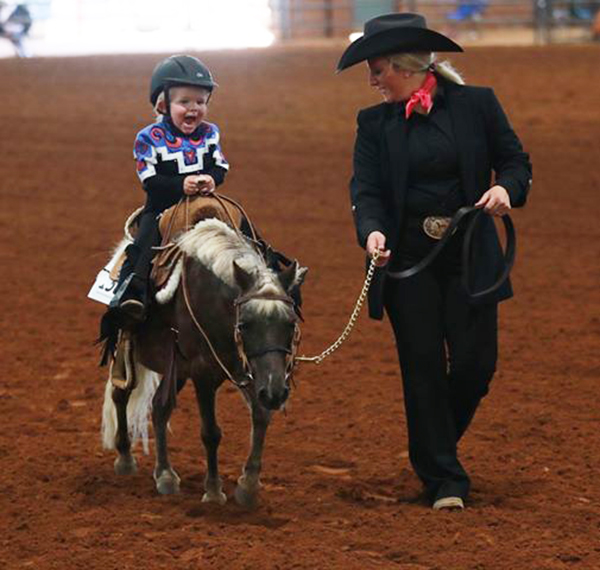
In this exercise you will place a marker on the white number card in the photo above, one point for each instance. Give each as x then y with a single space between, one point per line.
103 288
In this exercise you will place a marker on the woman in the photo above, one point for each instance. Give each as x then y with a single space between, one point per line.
427 150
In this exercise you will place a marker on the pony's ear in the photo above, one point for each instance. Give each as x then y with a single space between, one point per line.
243 278
292 276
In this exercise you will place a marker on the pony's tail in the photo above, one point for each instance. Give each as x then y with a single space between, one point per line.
138 409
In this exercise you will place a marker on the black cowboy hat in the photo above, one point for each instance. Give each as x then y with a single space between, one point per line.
395 33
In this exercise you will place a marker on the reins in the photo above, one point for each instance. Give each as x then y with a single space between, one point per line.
186 297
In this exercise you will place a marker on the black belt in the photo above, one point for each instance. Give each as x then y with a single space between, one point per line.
509 253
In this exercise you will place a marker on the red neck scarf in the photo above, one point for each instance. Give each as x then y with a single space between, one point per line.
422 95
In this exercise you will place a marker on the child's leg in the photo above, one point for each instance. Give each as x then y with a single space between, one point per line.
132 290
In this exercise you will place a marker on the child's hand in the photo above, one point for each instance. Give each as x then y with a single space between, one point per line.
190 185
206 184
203 184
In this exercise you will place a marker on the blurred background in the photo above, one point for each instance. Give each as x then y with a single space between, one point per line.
84 27
338 488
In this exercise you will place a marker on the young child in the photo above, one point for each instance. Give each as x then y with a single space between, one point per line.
177 155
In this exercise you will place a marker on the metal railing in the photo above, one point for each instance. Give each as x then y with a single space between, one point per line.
549 20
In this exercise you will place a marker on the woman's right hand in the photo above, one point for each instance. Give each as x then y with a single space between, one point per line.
376 242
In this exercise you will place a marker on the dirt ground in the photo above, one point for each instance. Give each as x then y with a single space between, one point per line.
338 488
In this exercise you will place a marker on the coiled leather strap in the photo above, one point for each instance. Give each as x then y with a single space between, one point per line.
461 214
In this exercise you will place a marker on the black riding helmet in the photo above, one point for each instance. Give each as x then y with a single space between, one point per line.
179 70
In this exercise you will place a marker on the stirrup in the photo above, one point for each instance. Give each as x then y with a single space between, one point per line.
115 302
122 368
134 309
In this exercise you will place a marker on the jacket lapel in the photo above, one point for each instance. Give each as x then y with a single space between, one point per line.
464 134
395 135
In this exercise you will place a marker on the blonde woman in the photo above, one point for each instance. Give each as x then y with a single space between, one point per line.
433 146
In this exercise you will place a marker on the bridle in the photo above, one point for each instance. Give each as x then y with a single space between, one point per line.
245 356
239 341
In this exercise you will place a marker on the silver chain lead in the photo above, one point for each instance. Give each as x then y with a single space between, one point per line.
351 321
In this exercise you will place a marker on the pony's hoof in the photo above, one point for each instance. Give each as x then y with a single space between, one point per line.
125 465
167 483
245 498
219 497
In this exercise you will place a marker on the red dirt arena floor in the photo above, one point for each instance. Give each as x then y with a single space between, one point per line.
338 488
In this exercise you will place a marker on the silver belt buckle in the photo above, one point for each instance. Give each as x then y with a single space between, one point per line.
435 226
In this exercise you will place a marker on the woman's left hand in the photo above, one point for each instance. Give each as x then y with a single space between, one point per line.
495 201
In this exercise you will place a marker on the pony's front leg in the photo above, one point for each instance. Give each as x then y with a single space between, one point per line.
125 463
167 480
211 437
246 492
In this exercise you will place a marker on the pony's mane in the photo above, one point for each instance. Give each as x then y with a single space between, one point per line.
216 246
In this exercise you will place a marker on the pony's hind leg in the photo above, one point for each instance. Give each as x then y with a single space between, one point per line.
125 463
246 492
116 397
167 480
211 437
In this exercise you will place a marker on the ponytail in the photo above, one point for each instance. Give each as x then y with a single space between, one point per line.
424 61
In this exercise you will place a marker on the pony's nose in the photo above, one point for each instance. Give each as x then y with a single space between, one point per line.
273 401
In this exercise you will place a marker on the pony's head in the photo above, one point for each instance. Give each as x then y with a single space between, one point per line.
266 322
267 331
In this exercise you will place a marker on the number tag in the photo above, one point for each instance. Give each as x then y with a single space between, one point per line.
104 287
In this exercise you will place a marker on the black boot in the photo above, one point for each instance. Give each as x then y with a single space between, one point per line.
131 297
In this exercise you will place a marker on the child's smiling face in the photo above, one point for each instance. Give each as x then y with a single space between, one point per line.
189 106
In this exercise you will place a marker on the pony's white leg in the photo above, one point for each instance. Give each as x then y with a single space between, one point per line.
125 417
115 433
109 418
247 489
211 437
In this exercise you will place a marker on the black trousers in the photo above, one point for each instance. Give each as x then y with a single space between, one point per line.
447 349
139 254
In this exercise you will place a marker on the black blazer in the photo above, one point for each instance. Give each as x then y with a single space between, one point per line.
486 143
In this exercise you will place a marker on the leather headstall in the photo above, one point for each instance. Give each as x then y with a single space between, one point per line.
239 341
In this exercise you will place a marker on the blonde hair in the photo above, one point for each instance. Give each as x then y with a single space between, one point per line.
422 61
160 100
